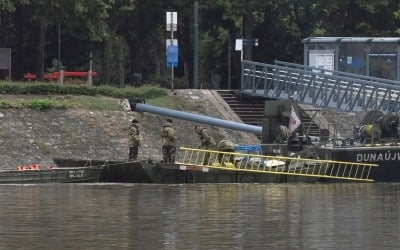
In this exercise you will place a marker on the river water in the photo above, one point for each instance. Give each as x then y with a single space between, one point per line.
200 216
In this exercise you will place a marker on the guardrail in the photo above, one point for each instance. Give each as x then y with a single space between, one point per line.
335 72
56 75
317 88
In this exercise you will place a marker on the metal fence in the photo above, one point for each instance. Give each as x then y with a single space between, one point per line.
321 88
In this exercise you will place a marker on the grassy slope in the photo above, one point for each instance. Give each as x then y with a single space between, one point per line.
18 95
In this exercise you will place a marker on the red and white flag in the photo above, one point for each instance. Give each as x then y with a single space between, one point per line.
294 121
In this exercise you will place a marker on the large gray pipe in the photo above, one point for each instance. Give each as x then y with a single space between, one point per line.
141 107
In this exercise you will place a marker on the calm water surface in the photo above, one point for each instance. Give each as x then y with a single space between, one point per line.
200 216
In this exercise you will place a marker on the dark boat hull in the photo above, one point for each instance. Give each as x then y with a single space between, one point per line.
61 175
145 172
386 156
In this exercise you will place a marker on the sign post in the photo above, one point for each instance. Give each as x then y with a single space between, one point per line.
172 44
5 60
244 42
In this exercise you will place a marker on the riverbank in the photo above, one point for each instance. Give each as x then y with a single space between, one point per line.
34 137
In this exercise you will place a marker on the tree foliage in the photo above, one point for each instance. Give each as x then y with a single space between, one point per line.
127 37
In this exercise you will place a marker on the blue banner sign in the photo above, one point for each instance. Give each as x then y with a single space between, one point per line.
172 56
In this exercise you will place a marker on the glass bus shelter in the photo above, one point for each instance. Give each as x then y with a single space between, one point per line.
370 56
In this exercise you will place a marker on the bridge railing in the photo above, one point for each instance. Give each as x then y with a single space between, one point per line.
319 89
335 72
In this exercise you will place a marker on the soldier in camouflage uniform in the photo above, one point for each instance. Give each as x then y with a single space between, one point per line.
226 146
168 143
207 142
133 140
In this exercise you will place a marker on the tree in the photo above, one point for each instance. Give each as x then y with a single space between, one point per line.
45 14
103 18
144 31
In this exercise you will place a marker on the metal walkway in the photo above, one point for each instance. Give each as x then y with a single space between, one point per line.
233 161
321 88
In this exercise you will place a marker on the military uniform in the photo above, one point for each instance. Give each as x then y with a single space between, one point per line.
281 134
207 142
226 146
134 140
168 144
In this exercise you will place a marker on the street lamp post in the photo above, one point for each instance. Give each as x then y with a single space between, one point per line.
196 44
59 47
229 62
60 71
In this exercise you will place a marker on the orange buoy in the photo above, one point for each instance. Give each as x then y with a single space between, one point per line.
32 167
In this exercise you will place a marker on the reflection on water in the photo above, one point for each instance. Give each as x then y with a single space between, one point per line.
200 216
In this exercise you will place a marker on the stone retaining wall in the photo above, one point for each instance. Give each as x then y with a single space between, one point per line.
35 137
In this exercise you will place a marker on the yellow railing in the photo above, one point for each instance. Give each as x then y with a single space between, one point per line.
234 161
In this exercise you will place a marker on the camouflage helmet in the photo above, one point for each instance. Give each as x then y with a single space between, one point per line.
197 128
168 123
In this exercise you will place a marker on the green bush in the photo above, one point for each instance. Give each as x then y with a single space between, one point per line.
145 91
111 91
5 105
39 104
165 82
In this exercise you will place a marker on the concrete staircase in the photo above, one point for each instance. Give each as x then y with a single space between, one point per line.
250 110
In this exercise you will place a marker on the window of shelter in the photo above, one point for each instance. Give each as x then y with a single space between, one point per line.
321 55
383 60
352 57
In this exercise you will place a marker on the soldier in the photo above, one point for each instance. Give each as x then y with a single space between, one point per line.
226 146
281 134
168 138
207 142
134 140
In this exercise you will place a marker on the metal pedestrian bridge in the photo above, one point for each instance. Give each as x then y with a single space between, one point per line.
263 164
319 87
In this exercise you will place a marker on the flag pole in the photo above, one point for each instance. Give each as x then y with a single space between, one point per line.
297 111
294 120
289 126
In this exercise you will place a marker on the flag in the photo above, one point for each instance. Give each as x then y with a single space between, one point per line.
294 121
